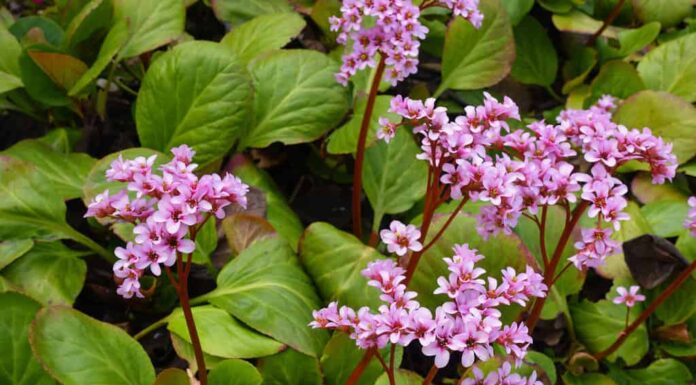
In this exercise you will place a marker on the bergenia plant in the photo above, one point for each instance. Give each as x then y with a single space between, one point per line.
167 205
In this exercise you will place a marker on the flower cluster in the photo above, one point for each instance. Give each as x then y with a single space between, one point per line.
503 375
477 156
690 222
469 322
392 31
166 209
629 297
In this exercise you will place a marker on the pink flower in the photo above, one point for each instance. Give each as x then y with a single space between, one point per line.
690 222
401 238
628 297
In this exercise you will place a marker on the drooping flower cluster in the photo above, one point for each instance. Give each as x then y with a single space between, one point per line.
390 28
469 322
690 222
165 208
478 157
628 297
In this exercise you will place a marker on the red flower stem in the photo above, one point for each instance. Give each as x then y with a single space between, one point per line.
542 236
560 273
390 374
360 152
360 368
431 374
449 221
683 276
392 354
550 270
610 18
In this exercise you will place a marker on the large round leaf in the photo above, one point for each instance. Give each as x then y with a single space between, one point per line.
671 67
150 24
65 172
666 115
80 350
334 260
196 94
617 78
598 324
17 365
239 11
665 371
296 99
393 178
235 372
477 58
13 249
667 12
290 368
267 289
263 33
223 336
50 273
536 61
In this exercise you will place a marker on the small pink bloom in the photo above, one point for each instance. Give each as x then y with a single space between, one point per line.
401 238
628 297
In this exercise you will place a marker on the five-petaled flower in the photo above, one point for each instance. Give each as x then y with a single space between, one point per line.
628 297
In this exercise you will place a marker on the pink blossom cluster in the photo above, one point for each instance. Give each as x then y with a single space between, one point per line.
469 322
690 222
166 208
502 376
478 157
628 297
390 28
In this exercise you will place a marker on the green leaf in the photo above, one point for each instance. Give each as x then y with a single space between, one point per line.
65 172
537 361
666 371
617 78
223 336
239 11
536 61
12 250
278 212
668 116
50 273
572 280
477 58
151 24
630 41
290 368
267 289
667 12
62 69
234 372
575 70
344 140
671 67
195 94
645 191
500 251
598 324
112 44
10 51
334 260
401 377
296 100
680 306
263 33
172 376
587 379
341 356
578 22
557 6
94 18
666 217
28 205
79 350
17 364
185 351
49 29
392 177
517 9
39 84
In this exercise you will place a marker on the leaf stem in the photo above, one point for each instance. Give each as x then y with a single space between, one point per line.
390 373
542 236
683 276
610 18
90 244
360 151
151 328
